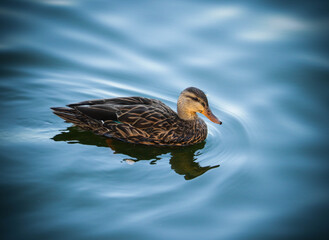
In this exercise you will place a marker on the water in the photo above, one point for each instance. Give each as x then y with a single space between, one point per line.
263 174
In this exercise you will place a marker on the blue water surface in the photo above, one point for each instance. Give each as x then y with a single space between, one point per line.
263 174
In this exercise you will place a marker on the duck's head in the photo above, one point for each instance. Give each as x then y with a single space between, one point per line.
191 101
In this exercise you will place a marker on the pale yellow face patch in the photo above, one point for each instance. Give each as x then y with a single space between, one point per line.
188 105
192 103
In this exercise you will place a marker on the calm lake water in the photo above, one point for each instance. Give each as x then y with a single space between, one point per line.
263 174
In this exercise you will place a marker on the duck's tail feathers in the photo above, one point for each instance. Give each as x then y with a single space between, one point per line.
68 114
81 120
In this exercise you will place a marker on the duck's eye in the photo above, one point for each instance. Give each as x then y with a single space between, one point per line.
194 98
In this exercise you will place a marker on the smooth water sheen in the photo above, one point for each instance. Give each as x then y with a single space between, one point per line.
263 174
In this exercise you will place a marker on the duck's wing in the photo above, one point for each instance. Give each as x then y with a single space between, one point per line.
116 101
136 112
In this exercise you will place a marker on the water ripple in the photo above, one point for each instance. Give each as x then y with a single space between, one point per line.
265 70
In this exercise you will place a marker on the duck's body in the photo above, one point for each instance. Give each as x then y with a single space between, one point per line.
141 120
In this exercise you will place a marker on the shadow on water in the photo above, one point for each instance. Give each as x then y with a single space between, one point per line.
183 159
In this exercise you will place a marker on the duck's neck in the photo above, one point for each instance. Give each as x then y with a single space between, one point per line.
184 112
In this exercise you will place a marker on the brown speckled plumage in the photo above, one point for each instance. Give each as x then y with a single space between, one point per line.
136 120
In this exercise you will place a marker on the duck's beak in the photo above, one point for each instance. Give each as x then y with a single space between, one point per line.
208 113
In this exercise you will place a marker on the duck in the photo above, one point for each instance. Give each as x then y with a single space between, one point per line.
141 120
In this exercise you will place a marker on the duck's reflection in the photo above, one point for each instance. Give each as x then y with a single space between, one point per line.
183 159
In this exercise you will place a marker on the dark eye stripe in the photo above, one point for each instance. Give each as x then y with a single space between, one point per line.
193 98
197 100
